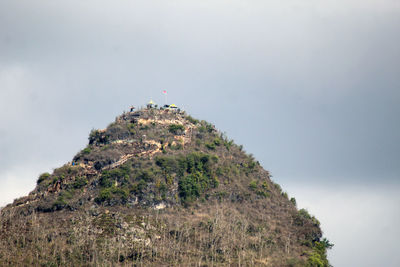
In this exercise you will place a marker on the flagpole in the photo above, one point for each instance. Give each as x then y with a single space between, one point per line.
165 97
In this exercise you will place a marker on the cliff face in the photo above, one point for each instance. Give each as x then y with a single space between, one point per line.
157 187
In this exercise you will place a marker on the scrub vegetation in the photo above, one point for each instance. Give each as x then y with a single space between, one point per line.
159 188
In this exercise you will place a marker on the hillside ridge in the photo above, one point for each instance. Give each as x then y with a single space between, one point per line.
158 187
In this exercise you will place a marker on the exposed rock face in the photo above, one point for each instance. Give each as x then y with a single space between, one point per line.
159 188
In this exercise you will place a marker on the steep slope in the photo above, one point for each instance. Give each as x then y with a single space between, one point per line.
157 187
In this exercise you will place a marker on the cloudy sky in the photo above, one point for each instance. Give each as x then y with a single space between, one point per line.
311 88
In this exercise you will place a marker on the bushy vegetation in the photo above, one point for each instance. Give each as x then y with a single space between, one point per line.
86 150
202 201
228 144
63 199
42 177
176 128
261 190
195 173
210 146
98 137
303 217
108 193
114 184
317 257
80 182
118 132
293 200
131 128
109 177
192 120
253 185
214 143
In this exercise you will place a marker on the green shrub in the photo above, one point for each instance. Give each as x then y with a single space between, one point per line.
106 180
98 137
253 185
167 163
194 171
317 257
326 243
210 146
217 141
202 129
43 177
108 177
139 187
105 194
146 175
214 158
315 221
198 162
191 186
121 193
55 180
259 190
192 120
228 144
293 200
80 182
265 185
251 165
131 128
60 203
278 187
262 193
303 216
68 194
86 150
176 128
209 127
163 187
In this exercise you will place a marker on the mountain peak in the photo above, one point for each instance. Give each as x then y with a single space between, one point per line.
158 187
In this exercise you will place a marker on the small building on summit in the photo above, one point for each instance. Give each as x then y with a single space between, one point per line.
151 104
173 107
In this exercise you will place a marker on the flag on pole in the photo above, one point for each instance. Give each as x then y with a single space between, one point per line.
165 96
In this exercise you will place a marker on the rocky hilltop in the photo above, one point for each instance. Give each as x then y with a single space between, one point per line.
159 188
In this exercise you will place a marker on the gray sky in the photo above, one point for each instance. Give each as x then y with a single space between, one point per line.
311 88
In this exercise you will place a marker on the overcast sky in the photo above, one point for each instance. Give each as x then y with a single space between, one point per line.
311 88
